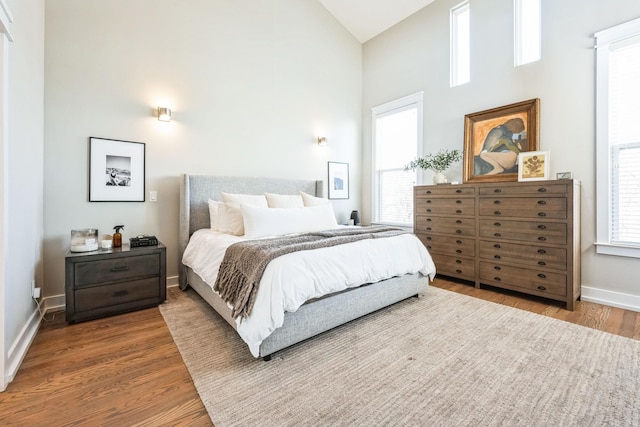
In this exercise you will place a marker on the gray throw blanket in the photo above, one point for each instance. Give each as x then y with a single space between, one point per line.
244 263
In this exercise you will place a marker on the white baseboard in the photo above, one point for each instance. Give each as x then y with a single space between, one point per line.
18 349
610 298
172 281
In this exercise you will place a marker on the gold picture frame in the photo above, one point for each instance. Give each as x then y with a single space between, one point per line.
494 138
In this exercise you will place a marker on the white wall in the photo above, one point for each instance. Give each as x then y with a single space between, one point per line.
22 180
414 55
251 85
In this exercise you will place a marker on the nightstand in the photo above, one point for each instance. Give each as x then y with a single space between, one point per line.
112 281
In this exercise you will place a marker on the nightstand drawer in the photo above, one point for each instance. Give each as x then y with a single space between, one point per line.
116 269
119 293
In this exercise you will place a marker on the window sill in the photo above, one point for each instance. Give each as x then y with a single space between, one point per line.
617 250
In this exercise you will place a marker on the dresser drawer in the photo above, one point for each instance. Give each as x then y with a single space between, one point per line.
116 269
463 268
528 189
455 206
533 207
118 293
462 246
446 225
531 256
536 281
525 231
444 190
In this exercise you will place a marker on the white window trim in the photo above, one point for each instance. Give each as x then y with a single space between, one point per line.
603 154
406 102
518 52
454 45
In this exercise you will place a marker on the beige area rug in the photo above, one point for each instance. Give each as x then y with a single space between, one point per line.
444 359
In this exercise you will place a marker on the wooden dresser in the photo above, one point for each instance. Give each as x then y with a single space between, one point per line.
523 236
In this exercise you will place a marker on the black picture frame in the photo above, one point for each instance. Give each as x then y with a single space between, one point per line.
338 180
116 170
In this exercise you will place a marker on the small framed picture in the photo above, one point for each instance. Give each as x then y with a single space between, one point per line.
116 170
338 180
564 175
533 166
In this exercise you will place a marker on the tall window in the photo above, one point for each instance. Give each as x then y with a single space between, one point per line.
397 136
527 30
460 45
618 139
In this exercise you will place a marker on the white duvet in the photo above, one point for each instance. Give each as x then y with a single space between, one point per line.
292 279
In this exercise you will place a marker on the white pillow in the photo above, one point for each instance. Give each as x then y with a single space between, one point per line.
245 199
230 219
284 200
214 216
309 200
259 222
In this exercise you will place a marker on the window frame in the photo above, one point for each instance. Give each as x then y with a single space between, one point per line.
518 33
603 39
396 106
454 44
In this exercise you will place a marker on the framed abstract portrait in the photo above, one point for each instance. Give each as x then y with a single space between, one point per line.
494 138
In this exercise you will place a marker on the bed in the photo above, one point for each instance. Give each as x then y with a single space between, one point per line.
317 315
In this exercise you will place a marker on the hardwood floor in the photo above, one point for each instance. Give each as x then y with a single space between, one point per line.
126 369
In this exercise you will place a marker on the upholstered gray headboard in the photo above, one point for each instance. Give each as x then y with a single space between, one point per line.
196 190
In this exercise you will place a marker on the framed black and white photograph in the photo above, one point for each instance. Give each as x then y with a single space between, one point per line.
338 180
116 170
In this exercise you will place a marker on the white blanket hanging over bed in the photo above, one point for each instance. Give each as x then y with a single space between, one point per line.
291 280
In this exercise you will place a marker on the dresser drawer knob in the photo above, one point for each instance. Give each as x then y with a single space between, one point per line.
429 247
428 191
542 288
497 279
542 239
428 210
542 251
542 214
542 263
459 242
497 213
458 221
459 271
497 190
497 234
497 257
118 268
458 191
542 202
497 267
458 231
428 219
542 276
497 246
428 237
428 201
458 261
458 211
542 190
458 251
119 293
459 202
428 228
496 202
542 227
497 224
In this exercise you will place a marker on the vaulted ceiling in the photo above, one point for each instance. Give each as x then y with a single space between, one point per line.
366 19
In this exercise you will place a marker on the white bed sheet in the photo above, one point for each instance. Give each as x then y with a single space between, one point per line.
291 280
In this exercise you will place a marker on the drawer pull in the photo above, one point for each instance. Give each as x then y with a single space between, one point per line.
459 242
428 228
542 276
497 234
496 202
458 201
497 224
542 239
124 267
428 210
428 201
458 221
497 213
458 231
542 202
458 251
459 271
497 190
542 251
542 190
458 211
120 293
428 191
458 191
542 263
497 267
458 261
429 247
428 237
542 288
497 257
497 246
497 279
542 214
542 227
428 219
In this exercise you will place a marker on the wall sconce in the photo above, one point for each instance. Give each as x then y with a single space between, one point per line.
322 141
164 114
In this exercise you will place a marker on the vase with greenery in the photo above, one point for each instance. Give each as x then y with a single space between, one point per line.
438 163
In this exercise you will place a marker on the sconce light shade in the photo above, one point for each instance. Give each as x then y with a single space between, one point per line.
164 114
322 140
